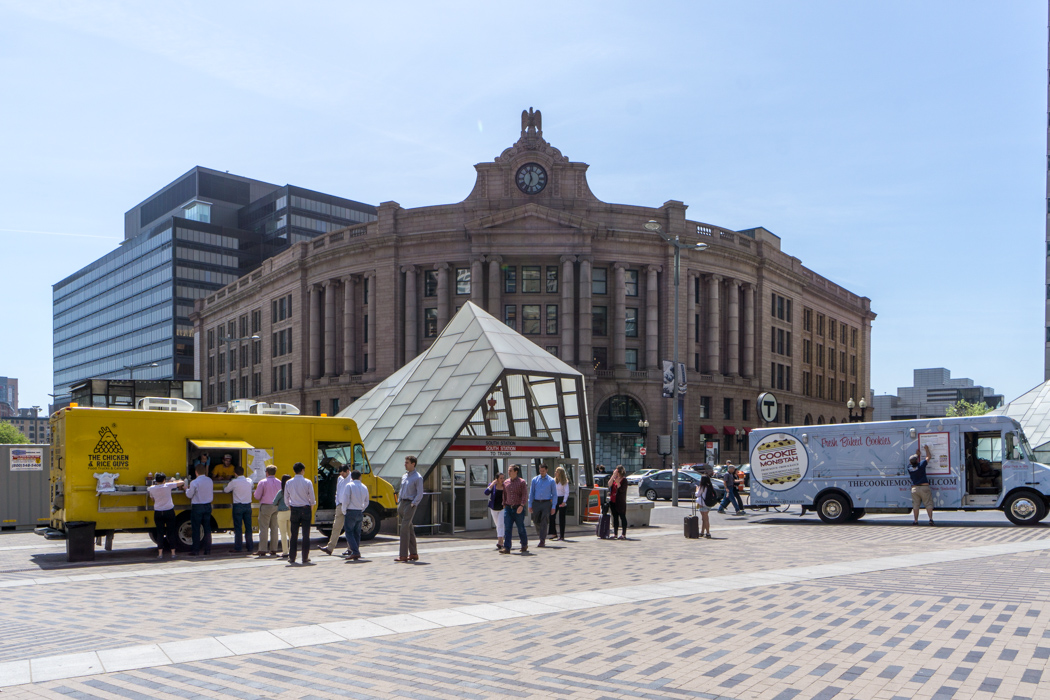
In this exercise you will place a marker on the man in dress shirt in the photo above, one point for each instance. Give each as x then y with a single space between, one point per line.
264 493
515 500
164 513
408 497
299 494
241 488
201 494
543 495
337 524
353 498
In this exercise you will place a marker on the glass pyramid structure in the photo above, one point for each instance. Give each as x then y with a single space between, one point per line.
479 378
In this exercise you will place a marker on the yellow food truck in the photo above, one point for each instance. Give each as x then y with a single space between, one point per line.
102 460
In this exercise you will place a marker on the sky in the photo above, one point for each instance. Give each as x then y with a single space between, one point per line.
896 147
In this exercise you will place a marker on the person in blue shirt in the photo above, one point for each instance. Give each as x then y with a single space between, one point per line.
543 495
920 486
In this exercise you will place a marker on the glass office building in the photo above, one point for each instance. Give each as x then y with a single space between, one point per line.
126 315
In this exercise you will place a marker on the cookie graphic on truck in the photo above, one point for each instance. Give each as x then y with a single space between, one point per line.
779 461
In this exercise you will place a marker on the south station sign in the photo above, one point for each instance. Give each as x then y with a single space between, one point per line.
525 448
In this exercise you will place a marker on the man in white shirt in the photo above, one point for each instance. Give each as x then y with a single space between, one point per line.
299 495
201 494
164 513
354 498
241 488
337 523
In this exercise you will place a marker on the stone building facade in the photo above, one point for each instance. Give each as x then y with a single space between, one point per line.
585 279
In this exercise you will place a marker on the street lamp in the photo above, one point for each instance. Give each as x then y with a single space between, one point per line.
699 247
229 365
131 368
644 426
856 417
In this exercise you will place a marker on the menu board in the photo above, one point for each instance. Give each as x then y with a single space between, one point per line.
940 452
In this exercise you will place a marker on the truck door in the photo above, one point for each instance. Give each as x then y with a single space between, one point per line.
984 463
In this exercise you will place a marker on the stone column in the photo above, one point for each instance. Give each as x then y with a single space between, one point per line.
652 318
619 343
749 330
315 331
477 291
714 325
371 321
442 293
329 327
733 332
586 323
690 343
349 325
411 313
495 286
568 325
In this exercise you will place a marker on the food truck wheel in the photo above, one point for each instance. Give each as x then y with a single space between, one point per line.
369 524
834 508
857 514
1025 508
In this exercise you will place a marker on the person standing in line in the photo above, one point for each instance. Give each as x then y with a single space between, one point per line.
353 498
284 516
618 501
408 498
201 493
164 513
495 493
515 500
241 488
704 488
561 487
299 495
542 497
920 486
732 496
265 492
337 524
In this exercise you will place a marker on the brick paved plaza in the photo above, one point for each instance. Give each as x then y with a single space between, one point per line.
778 609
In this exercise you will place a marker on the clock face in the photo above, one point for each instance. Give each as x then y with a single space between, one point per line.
531 178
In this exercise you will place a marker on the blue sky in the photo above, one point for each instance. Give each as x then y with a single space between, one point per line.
898 148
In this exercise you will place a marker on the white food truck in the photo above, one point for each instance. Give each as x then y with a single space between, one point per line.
846 470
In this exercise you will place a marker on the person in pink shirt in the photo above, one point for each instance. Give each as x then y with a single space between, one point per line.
264 494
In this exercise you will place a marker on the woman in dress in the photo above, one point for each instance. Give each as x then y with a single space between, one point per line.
495 494
703 488
618 501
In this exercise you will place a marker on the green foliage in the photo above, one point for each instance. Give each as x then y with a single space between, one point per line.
10 435
965 408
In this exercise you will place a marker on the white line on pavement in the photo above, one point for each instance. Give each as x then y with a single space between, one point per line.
166 653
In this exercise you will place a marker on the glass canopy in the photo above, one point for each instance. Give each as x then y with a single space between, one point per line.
479 378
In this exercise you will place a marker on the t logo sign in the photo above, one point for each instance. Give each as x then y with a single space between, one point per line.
767 407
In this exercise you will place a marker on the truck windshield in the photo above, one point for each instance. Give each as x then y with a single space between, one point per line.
1026 448
344 453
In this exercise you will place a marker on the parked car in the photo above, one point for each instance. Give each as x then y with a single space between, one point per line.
636 478
658 485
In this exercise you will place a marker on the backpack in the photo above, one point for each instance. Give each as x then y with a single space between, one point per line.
710 499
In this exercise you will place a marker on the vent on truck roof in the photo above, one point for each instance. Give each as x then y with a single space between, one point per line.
163 403
275 409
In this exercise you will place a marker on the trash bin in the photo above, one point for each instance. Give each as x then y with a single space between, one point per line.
80 541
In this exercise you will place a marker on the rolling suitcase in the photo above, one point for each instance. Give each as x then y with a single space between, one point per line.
692 525
602 529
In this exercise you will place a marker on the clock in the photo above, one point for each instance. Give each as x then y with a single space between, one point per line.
531 178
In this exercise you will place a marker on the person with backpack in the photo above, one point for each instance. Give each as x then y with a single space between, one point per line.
705 500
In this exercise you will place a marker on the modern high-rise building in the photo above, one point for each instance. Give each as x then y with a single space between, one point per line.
126 314
8 396
933 391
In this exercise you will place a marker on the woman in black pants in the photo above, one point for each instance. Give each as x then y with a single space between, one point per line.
561 487
618 501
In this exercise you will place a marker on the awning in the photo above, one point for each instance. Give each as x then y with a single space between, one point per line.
747 430
708 430
729 430
220 444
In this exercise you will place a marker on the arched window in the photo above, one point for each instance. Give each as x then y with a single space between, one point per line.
809 420
820 420
619 414
831 421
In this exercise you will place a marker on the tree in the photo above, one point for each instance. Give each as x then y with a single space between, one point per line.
10 435
965 408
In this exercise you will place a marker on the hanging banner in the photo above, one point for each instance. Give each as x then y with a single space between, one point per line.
669 379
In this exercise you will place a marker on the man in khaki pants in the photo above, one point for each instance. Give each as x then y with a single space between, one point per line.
337 524
408 497
264 493
920 486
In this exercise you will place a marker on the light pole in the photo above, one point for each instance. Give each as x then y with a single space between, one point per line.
131 368
229 365
856 417
699 247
